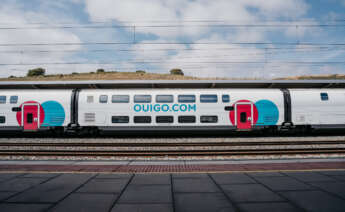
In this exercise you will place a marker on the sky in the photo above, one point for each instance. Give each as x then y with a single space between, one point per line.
220 38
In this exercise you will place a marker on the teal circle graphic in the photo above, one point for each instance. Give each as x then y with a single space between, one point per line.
54 114
268 112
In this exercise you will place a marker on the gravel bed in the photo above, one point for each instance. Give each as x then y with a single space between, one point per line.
187 148
196 158
169 140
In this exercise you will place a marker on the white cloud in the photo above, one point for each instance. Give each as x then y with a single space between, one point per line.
15 16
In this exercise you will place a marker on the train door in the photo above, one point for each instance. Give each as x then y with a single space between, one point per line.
244 115
30 116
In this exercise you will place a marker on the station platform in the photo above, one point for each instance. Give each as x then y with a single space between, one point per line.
140 186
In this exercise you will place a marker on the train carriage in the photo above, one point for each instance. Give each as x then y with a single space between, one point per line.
93 106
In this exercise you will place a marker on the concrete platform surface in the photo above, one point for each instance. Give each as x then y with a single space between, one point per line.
174 192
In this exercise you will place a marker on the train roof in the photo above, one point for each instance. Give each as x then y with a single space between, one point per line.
106 84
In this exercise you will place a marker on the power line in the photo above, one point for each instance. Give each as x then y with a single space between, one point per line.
172 43
185 62
174 49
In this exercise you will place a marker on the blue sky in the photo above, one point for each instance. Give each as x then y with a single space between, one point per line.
175 34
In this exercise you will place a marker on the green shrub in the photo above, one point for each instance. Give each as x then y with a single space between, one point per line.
100 71
36 72
176 71
140 72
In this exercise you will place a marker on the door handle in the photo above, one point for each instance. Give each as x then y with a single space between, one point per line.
35 119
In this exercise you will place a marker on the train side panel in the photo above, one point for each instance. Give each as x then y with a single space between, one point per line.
318 107
97 108
38 109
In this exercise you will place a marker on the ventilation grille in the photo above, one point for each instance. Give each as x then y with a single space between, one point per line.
90 117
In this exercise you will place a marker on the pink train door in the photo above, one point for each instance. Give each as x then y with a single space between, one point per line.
30 117
244 115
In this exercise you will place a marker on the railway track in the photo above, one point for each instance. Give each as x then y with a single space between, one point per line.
174 149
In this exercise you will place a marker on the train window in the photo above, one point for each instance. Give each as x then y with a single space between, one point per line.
14 99
208 98
142 119
2 119
324 96
29 118
103 99
243 117
2 99
142 98
89 99
164 98
209 119
186 119
226 98
119 119
120 99
164 119
186 98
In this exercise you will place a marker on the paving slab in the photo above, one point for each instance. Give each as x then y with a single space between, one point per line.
265 174
309 176
143 208
113 176
53 190
190 175
86 202
236 178
147 194
250 193
194 185
20 184
333 173
153 179
202 202
336 188
104 186
268 207
8 176
315 201
6 194
283 183
9 207
40 175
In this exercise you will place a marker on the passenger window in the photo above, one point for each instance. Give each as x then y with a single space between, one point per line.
186 98
120 119
89 99
142 119
226 98
103 99
243 117
164 98
209 119
2 99
208 98
13 99
324 96
164 119
29 118
2 119
186 119
120 99
142 99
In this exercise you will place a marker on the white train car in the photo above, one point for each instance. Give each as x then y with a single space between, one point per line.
318 108
93 106
33 110
180 109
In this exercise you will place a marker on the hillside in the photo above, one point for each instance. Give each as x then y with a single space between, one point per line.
149 76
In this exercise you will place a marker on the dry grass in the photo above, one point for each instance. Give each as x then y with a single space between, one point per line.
150 76
112 76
